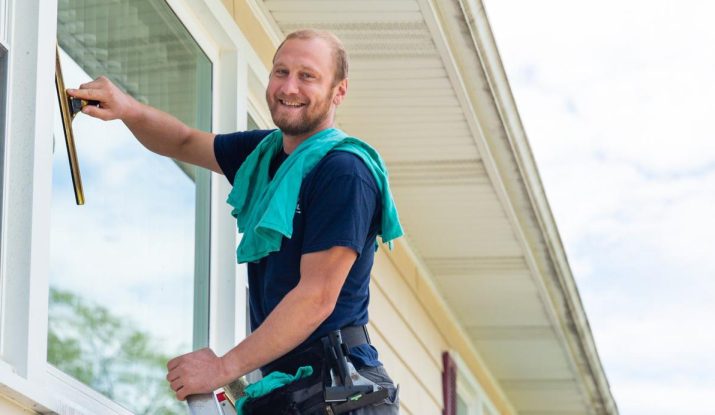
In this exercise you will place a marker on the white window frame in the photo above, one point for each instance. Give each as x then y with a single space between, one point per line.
470 391
24 260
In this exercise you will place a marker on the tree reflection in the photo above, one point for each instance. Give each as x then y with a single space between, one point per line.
109 354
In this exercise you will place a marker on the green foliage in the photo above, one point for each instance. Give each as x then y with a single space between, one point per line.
109 354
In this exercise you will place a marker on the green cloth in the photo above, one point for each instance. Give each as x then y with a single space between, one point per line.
270 383
264 208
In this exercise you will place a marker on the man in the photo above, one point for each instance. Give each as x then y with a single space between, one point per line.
316 280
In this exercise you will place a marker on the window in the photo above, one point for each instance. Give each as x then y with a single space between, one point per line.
462 393
129 270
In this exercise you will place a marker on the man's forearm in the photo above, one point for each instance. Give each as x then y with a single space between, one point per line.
290 323
158 131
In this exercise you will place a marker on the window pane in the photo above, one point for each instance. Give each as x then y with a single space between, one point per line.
462 408
124 266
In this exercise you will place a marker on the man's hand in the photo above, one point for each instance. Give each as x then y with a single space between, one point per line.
113 102
196 372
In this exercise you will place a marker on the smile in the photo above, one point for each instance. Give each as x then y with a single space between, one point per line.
292 104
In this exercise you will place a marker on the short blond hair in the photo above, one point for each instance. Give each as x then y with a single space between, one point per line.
340 55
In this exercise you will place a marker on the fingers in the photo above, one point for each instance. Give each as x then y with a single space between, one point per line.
173 363
172 375
113 102
192 373
181 394
97 89
97 112
176 385
180 391
88 93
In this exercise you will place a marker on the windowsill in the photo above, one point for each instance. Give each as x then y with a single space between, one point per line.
26 394
68 397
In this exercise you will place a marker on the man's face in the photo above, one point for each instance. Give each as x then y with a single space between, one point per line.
300 93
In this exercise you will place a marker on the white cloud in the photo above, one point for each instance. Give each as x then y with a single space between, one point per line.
615 99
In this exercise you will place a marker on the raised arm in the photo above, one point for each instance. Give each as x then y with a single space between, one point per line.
156 130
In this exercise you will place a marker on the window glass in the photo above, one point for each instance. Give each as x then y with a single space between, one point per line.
462 408
125 265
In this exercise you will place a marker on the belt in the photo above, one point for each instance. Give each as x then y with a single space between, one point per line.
312 353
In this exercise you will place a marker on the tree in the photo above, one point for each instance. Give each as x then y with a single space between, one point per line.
109 354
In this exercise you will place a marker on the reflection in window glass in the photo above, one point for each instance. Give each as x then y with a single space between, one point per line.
462 408
124 266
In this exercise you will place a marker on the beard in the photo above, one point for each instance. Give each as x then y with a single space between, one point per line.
305 121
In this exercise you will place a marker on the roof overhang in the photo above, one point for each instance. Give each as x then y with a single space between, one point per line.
428 89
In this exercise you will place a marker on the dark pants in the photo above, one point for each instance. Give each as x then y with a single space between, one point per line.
391 405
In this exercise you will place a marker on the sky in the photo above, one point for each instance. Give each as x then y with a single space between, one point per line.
616 99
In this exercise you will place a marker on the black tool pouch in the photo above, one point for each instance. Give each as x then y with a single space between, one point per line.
302 397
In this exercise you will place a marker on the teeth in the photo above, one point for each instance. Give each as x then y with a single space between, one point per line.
291 104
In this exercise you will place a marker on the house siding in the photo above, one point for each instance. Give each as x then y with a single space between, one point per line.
8 407
411 329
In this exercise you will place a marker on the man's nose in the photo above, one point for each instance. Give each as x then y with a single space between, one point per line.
289 85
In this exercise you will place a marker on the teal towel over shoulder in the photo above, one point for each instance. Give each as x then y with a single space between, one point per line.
264 208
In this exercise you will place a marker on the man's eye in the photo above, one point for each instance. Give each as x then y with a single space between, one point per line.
280 72
307 76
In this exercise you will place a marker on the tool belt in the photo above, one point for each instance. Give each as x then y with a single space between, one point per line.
335 386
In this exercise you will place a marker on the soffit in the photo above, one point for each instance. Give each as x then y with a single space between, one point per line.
403 101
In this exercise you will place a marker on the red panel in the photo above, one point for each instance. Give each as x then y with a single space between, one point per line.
449 384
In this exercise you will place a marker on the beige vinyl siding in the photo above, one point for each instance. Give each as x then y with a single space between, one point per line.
408 341
411 329
8 407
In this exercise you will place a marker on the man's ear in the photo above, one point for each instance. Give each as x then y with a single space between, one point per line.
341 89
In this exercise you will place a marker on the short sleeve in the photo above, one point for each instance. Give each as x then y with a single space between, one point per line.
339 204
232 149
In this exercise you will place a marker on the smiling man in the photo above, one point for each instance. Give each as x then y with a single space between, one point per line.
310 202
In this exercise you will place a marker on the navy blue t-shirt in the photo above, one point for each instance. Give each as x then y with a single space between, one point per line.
338 205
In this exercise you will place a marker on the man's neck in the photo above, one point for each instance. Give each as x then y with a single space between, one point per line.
291 142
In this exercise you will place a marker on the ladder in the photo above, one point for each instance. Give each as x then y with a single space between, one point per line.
210 404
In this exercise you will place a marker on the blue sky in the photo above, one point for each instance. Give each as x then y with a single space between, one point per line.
615 97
